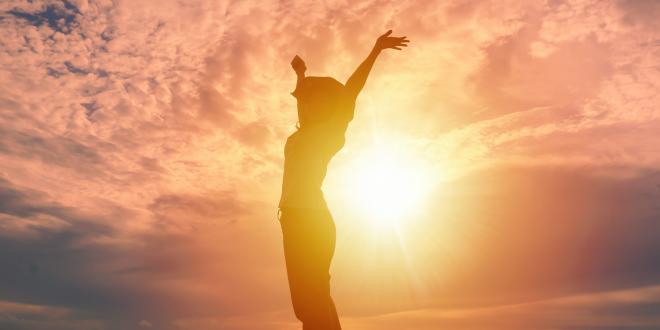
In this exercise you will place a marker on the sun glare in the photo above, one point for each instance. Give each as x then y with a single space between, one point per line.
387 187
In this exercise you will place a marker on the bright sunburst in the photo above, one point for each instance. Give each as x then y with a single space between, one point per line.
387 186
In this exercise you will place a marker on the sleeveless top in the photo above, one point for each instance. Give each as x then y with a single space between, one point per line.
307 153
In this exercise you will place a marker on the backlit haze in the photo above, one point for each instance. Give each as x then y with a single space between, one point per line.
502 172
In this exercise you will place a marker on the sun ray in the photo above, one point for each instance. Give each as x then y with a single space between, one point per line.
387 186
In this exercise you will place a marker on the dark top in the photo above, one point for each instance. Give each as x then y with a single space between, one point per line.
307 153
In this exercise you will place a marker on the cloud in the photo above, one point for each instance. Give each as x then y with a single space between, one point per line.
54 150
530 233
172 209
87 271
26 316
141 148
145 324
625 308
26 204
49 249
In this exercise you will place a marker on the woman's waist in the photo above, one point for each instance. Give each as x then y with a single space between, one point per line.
299 197
303 212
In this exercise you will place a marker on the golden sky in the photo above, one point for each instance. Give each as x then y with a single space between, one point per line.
141 160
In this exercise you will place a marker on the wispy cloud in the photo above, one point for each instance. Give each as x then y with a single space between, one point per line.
626 309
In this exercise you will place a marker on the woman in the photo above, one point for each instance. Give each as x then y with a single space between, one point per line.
325 107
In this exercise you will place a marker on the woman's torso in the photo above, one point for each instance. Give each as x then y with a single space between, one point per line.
307 153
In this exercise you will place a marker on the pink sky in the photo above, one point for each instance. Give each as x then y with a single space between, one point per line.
141 149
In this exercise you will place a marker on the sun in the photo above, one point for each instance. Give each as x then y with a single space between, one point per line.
387 186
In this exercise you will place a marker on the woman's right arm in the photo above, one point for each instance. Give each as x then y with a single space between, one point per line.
299 67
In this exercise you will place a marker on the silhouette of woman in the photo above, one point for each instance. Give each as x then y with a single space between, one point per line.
325 107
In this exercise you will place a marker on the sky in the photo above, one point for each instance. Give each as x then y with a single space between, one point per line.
141 160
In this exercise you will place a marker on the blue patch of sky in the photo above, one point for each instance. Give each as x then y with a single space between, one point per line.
59 18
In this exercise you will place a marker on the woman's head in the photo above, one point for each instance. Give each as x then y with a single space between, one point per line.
318 98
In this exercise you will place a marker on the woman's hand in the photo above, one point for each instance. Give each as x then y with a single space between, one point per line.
385 41
298 66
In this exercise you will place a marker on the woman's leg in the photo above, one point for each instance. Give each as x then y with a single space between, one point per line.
309 244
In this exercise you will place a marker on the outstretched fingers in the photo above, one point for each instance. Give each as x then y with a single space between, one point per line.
401 42
385 41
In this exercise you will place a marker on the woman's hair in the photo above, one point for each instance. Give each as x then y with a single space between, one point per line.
318 99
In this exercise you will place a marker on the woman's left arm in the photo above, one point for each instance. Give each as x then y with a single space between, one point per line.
356 82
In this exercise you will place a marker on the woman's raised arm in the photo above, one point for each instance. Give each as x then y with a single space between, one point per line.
298 65
356 82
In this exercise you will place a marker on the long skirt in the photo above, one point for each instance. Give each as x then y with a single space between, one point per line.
309 244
